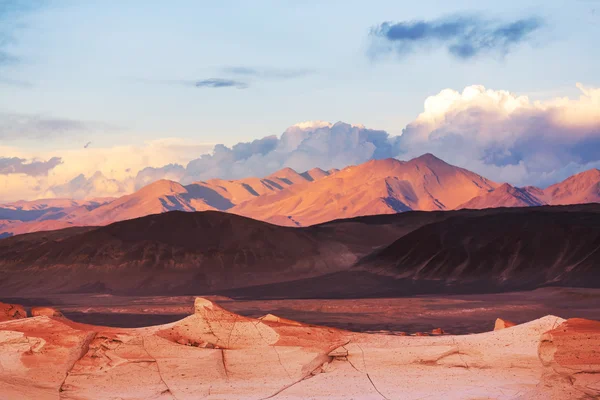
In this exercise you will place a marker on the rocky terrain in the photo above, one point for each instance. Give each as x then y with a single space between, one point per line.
289 198
216 354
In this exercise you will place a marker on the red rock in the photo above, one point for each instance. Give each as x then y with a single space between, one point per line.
503 324
45 312
437 331
275 318
11 311
572 351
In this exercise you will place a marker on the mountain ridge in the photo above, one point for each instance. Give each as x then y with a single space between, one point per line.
289 198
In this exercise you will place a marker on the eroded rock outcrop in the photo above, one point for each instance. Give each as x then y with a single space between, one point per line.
11 311
503 324
571 353
36 354
45 312
216 354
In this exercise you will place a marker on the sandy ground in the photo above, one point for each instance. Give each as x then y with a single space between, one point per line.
456 314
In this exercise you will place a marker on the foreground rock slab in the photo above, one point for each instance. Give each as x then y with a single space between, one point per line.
216 354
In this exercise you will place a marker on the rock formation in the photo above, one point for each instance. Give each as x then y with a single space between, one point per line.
45 312
11 311
571 353
216 354
502 324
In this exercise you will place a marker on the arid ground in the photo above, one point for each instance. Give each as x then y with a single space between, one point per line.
455 314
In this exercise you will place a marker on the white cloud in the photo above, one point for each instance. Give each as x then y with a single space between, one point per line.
506 137
76 175
500 135
302 147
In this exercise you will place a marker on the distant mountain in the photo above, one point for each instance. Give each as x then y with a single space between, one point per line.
503 196
289 198
577 189
375 187
158 197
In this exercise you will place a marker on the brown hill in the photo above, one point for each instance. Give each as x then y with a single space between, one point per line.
385 255
517 248
176 252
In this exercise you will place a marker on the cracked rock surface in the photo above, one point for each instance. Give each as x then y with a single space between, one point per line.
216 354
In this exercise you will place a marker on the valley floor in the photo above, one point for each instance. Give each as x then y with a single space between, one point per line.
455 314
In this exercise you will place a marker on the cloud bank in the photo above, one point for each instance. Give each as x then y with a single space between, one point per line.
122 169
16 165
506 137
496 133
302 147
464 37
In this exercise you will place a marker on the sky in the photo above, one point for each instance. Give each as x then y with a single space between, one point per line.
99 98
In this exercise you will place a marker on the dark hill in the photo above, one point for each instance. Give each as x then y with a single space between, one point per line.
523 248
170 253
179 253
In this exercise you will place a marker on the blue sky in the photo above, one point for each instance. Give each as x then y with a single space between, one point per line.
126 72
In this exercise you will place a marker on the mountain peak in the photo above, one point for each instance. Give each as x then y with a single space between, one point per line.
383 163
580 188
593 173
315 174
505 187
429 158
162 186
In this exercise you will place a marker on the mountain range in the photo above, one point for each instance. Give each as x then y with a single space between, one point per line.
289 198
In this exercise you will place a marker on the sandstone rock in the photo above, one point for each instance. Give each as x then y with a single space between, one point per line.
503 324
11 311
216 354
45 312
36 354
339 352
437 331
571 351
275 318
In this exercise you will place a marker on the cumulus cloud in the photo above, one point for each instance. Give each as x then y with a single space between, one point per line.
119 165
216 83
302 147
173 172
507 137
16 165
462 36
496 133
96 185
